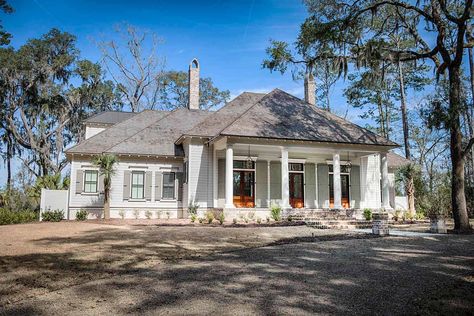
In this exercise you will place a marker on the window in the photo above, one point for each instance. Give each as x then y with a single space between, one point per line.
296 167
138 184
241 164
90 181
344 168
168 185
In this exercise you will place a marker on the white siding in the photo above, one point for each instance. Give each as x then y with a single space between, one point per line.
95 202
370 181
200 176
91 131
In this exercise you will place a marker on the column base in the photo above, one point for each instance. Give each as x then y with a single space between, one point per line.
232 206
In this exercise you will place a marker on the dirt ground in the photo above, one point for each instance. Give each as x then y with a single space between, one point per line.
94 268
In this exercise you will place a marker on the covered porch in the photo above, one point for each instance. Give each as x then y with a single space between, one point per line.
252 173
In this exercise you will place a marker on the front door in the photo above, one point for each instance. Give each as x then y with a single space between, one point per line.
344 191
244 188
296 190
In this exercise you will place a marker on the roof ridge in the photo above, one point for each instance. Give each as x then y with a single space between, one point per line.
139 131
243 113
321 111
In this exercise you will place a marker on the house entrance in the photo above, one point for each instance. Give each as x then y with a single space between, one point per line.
296 185
244 184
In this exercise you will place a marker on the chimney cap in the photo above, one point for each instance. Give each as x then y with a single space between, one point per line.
194 63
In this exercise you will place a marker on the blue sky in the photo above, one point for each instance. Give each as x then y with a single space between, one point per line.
228 37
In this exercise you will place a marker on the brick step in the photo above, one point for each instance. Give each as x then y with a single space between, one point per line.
339 224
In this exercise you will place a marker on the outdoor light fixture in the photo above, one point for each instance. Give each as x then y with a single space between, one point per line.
249 161
349 164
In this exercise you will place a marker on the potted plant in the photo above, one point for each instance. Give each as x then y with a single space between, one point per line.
437 213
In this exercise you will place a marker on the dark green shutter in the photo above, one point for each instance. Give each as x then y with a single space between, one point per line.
158 180
79 181
126 185
179 185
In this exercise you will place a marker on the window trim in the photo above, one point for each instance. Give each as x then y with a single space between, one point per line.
132 186
163 186
85 181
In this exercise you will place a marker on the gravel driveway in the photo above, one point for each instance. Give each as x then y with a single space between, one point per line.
86 268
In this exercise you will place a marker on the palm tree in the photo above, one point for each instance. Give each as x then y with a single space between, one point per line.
106 164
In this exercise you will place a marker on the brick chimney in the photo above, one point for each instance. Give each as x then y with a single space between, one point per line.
309 89
193 87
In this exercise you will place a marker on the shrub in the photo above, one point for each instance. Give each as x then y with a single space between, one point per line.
158 214
251 215
136 213
53 216
209 217
221 218
81 215
408 216
268 219
246 220
259 220
148 214
234 220
396 215
122 214
420 215
193 208
289 218
193 218
168 215
16 217
201 220
276 213
367 214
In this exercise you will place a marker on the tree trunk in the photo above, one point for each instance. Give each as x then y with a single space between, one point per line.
107 210
9 160
470 115
410 189
458 197
106 203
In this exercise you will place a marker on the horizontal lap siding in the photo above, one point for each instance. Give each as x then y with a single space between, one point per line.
116 194
200 174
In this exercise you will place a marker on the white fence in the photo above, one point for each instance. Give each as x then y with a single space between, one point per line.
54 200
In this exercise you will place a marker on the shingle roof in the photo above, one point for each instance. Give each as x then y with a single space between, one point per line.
159 137
279 115
146 133
117 133
276 115
109 117
395 161
220 119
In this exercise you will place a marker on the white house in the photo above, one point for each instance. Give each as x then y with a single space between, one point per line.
256 151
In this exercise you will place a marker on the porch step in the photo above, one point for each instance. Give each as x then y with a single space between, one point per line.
339 224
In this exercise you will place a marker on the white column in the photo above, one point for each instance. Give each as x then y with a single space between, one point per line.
336 164
285 183
229 174
385 181
268 184
214 176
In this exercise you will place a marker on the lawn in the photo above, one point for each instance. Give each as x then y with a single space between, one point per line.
93 268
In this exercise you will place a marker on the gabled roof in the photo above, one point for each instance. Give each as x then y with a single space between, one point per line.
279 115
109 117
146 133
159 137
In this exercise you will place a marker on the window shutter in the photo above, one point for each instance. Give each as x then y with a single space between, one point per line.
179 186
79 181
148 176
126 185
101 183
158 178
